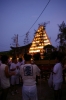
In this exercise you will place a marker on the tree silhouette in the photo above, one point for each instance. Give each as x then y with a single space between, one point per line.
62 34
26 40
15 40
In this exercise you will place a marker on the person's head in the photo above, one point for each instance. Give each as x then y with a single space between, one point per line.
4 59
27 57
58 58
20 59
14 60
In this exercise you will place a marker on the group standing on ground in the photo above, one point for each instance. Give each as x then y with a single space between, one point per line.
11 74
5 77
27 71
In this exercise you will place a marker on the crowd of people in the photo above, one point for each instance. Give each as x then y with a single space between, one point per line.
26 71
11 73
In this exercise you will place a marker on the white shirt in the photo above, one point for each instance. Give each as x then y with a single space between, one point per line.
14 66
28 73
58 76
5 82
19 64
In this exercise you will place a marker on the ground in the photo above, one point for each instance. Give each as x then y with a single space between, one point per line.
44 92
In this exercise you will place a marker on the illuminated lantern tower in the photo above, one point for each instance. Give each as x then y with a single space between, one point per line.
40 40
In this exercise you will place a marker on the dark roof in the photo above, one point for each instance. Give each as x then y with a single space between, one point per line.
48 46
21 46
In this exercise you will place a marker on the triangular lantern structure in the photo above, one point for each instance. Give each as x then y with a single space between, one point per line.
40 40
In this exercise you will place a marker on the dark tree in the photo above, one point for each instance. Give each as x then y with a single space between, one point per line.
36 56
62 34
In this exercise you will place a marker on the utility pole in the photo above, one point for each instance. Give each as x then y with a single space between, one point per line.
15 43
26 40
15 40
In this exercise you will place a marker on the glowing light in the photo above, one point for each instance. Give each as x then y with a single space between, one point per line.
17 59
34 51
10 58
40 40
46 41
33 41
38 30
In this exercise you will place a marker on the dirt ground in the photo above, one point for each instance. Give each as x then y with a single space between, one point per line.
44 92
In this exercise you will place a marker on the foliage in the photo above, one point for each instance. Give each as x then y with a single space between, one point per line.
53 54
26 40
15 40
36 56
64 60
48 51
9 53
48 46
62 34
57 53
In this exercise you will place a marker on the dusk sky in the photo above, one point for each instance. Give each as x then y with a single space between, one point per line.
17 16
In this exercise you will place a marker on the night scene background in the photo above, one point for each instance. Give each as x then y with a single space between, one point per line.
17 17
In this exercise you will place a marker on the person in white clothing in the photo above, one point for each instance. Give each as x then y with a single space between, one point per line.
14 78
57 77
4 76
19 63
28 73
37 77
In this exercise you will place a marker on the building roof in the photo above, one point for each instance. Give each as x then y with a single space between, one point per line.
21 46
